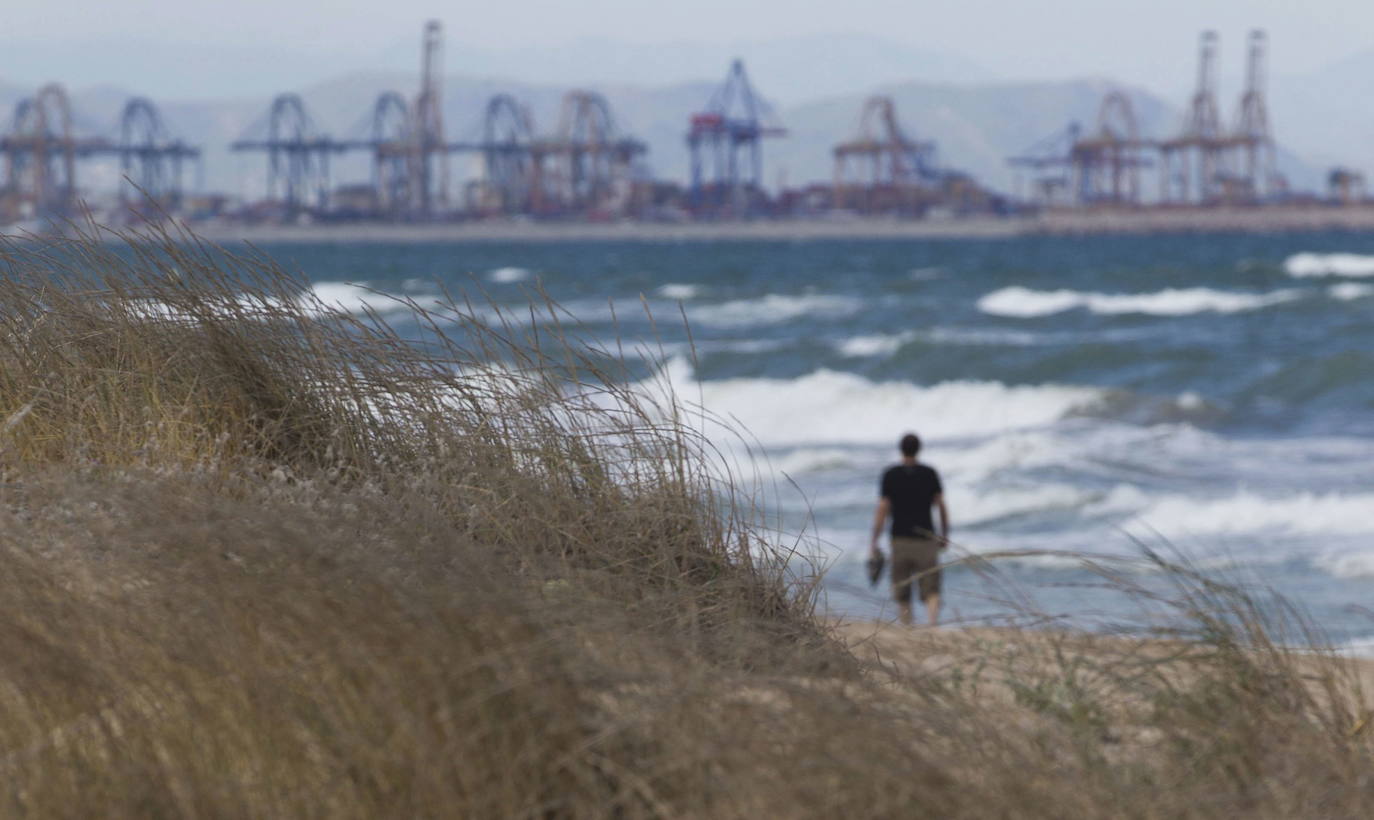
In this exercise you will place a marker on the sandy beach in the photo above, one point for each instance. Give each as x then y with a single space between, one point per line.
917 653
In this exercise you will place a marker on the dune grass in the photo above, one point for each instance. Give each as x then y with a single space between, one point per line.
264 558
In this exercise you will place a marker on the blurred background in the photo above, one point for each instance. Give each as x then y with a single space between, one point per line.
314 111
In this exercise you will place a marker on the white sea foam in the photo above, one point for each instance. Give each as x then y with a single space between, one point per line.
979 336
1249 513
323 297
1357 563
1329 264
774 308
828 407
659 350
812 460
987 507
1024 303
355 299
1350 291
679 292
876 345
1019 451
1332 531
1094 450
742 345
508 275
1357 647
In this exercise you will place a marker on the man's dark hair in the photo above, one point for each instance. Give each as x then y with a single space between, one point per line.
911 444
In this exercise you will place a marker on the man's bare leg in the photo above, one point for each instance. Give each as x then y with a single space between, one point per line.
904 613
932 609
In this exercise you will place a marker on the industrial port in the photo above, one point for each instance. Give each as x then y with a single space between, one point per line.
583 168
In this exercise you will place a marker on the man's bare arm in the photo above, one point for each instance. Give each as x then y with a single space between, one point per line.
879 520
944 516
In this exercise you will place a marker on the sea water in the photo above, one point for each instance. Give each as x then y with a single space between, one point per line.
1209 396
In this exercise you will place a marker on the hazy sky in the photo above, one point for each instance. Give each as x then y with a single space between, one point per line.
1150 42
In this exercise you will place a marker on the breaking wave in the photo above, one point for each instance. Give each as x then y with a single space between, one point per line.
322 297
829 407
1350 291
1023 303
773 309
1357 647
680 292
1304 265
877 345
508 275
356 299
1250 513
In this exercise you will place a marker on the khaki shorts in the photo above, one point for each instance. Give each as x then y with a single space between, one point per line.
915 561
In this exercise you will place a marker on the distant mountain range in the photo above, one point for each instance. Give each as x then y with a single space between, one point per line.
796 68
814 83
791 70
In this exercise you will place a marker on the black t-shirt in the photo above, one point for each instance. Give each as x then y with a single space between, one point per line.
911 490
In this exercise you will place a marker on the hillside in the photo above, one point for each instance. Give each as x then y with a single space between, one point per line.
799 67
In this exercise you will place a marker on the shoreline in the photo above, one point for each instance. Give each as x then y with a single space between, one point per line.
914 652
1103 222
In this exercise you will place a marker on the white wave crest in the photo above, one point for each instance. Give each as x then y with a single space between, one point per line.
976 336
508 275
1249 513
356 299
322 297
812 460
1350 291
1351 564
828 407
860 347
987 507
1304 265
679 292
1357 647
774 308
1024 303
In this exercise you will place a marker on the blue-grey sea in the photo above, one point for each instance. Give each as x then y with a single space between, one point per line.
1212 396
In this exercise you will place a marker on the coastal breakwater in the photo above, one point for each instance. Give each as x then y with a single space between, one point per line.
1068 222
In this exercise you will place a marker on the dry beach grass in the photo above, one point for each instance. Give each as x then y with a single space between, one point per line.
264 558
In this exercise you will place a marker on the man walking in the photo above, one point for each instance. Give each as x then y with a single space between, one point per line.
909 491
